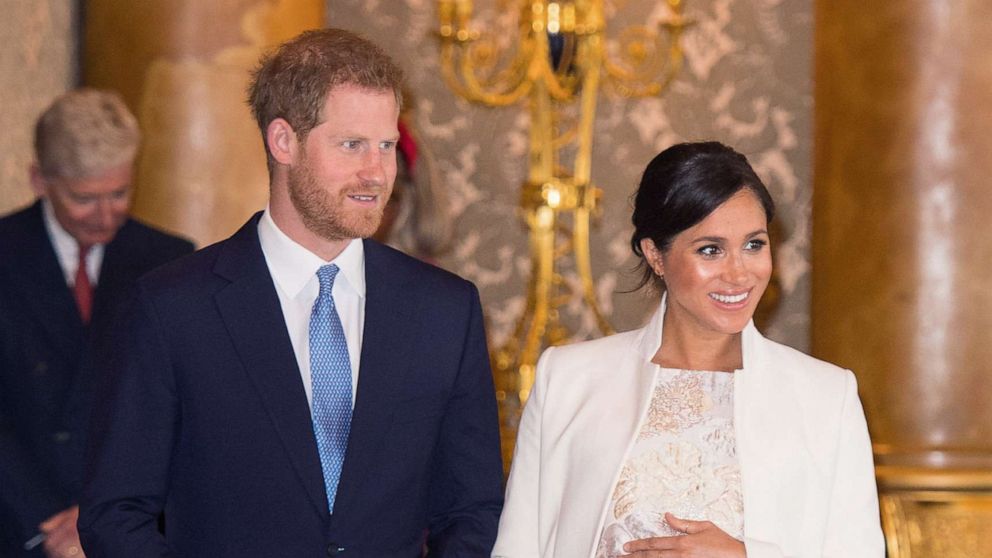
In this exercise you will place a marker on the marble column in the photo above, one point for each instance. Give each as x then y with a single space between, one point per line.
183 67
902 248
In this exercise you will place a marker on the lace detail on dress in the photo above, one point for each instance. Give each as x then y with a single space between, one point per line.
676 406
684 462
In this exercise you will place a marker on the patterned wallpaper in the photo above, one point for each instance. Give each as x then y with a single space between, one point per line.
37 62
746 82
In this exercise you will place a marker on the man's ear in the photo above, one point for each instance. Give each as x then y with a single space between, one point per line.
653 256
282 142
38 182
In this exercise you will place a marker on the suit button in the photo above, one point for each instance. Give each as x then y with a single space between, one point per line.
40 368
61 437
334 550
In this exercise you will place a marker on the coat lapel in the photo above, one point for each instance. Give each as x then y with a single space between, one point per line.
41 284
625 401
386 342
114 276
251 310
765 436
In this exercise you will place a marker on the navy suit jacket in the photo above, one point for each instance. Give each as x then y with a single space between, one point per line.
208 420
44 351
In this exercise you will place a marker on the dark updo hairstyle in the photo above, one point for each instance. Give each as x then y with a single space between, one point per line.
682 185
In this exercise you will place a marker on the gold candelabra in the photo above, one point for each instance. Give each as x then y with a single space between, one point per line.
558 63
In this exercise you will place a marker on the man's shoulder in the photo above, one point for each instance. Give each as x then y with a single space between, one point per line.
395 261
141 236
23 237
20 221
191 269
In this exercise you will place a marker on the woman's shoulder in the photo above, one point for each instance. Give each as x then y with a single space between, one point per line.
606 349
815 374
589 363
569 376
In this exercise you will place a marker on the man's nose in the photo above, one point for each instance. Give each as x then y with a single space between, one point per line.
373 171
106 213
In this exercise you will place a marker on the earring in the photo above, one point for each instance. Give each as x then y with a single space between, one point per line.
655 266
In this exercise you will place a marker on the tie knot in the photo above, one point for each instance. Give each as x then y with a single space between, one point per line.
326 275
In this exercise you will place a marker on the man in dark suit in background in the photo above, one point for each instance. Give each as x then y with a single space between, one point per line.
295 390
65 261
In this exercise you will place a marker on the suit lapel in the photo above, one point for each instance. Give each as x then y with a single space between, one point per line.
251 310
113 274
41 284
386 342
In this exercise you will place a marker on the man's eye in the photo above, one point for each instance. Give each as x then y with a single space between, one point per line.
387 145
352 144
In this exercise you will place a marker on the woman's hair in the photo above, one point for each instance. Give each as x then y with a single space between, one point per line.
681 186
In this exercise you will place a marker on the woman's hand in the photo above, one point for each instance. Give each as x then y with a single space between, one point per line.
702 539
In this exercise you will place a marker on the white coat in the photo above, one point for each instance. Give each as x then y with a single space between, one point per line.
807 476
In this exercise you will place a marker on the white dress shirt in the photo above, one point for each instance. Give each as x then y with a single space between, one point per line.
294 272
67 249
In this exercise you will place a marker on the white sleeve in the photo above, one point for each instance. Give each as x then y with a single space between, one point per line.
518 526
854 527
853 523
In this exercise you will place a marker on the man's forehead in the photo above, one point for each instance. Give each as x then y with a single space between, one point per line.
352 89
106 181
351 109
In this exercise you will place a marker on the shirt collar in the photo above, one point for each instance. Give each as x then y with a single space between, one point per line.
63 241
293 266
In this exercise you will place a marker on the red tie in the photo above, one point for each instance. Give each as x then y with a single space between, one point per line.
82 288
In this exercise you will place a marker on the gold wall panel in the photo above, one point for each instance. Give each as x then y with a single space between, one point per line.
902 246
183 67
946 514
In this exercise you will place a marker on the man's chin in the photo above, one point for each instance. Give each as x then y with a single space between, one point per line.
336 231
94 239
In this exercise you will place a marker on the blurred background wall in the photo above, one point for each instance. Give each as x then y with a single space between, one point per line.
38 61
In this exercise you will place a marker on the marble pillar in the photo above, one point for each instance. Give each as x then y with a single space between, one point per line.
902 243
183 67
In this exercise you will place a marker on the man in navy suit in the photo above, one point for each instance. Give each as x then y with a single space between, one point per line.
296 390
65 262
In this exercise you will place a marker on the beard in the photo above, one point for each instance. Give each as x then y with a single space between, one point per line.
326 216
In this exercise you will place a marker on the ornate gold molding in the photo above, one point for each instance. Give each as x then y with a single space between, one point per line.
556 62
931 513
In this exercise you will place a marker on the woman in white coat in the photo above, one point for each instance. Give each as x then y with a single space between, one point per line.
693 436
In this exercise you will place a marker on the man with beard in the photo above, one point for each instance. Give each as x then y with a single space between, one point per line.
295 390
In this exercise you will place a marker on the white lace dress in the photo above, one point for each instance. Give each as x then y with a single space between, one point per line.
684 462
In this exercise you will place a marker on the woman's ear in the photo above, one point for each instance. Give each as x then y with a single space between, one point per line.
653 256
282 142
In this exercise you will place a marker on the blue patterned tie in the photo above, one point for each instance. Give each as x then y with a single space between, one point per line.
330 370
